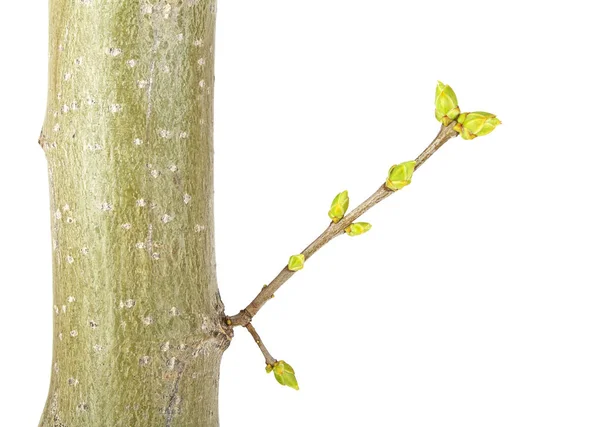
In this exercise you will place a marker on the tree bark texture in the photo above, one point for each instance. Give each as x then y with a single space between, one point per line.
138 321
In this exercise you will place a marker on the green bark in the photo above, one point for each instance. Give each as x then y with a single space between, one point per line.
138 334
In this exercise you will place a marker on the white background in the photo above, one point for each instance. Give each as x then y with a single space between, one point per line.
473 301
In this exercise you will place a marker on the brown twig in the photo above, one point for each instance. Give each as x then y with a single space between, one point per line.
245 316
269 360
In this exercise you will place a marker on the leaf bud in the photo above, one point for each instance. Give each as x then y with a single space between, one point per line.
446 104
339 206
478 123
399 176
358 228
296 262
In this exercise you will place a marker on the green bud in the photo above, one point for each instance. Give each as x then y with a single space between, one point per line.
358 228
400 175
269 369
478 123
285 375
296 262
446 104
339 206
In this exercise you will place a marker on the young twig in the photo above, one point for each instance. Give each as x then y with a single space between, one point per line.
269 360
244 317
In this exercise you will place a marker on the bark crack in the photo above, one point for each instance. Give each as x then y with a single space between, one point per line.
174 398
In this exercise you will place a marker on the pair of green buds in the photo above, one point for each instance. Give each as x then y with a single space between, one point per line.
399 176
338 209
284 374
469 125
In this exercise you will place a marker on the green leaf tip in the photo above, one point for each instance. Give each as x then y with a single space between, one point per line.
339 206
358 228
399 176
446 104
284 374
478 123
296 262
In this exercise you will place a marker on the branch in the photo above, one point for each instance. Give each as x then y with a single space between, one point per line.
269 360
244 317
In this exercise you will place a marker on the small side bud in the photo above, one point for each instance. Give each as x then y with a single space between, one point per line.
269 369
399 176
478 123
446 104
358 228
296 262
284 374
339 206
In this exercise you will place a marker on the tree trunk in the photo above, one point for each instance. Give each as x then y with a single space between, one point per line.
138 321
